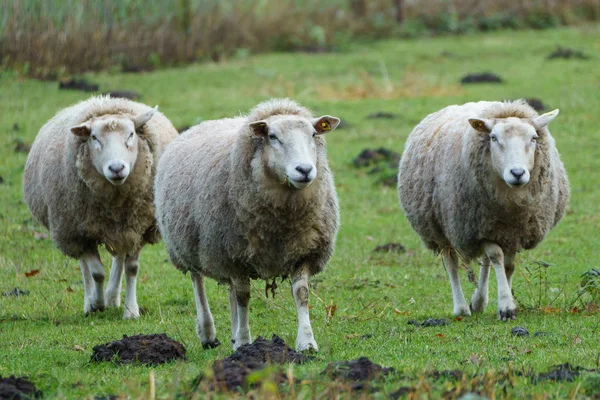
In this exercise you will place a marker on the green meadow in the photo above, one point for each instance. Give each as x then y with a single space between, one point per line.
363 301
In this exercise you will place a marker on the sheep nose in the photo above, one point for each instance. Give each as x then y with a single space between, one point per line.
116 167
517 172
304 169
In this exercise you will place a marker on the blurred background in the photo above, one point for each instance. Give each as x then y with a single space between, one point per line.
53 39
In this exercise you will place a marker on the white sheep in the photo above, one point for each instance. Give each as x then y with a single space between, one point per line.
89 179
483 179
246 198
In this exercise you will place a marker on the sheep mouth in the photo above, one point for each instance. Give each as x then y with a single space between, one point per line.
300 183
117 180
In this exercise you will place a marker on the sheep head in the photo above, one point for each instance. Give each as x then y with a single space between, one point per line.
113 143
290 150
513 142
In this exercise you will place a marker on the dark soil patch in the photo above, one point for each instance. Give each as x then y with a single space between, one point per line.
16 127
78 84
16 292
183 128
567 53
561 373
428 322
123 94
381 115
1 179
390 248
484 77
231 372
144 349
135 68
356 372
519 331
370 157
448 374
536 104
401 392
21 147
18 388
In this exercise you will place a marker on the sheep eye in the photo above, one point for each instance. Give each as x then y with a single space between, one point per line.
314 134
94 137
494 138
534 139
273 137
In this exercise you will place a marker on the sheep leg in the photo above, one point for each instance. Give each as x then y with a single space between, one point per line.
95 290
205 324
113 289
305 339
234 312
506 303
87 286
480 298
458 298
132 310
242 297
509 268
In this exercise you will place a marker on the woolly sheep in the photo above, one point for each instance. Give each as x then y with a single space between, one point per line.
247 198
483 179
89 180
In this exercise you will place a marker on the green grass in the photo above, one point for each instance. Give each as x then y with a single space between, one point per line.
374 294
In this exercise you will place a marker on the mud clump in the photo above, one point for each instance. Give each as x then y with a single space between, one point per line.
123 94
143 349
356 372
78 84
18 388
390 248
16 292
536 104
230 373
448 374
485 77
184 128
381 115
21 147
567 53
428 322
519 331
561 373
382 161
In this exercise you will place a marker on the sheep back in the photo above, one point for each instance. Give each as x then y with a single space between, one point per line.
216 220
79 206
452 197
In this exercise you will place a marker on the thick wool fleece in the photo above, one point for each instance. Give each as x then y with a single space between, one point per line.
77 204
452 197
221 218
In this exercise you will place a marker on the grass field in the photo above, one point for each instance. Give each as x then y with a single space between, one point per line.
45 336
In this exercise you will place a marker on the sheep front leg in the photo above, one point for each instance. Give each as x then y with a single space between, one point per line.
506 303
480 298
205 324
234 313
91 265
132 310
458 298
305 339
113 289
241 287
509 268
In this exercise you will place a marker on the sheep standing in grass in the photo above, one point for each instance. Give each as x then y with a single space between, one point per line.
246 198
483 179
89 179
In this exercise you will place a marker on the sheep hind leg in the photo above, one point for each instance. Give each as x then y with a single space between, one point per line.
87 286
234 313
95 295
480 298
305 340
205 324
113 288
506 303
131 309
509 268
458 298
241 287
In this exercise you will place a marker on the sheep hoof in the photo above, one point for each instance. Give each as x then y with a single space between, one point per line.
112 301
89 308
507 315
462 311
310 347
477 307
211 345
129 314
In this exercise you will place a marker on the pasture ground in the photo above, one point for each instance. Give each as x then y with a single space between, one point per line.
362 303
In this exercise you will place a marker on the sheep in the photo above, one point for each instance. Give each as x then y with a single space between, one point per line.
483 179
89 179
247 198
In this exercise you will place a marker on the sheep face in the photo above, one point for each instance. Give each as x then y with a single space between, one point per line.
290 151
512 145
113 143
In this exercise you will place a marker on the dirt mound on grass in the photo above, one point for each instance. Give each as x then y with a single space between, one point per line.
561 373
18 388
567 53
144 349
231 372
356 372
485 77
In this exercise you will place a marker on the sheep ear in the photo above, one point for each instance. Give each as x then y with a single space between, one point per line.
481 125
544 119
259 128
141 119
82 130
325 124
